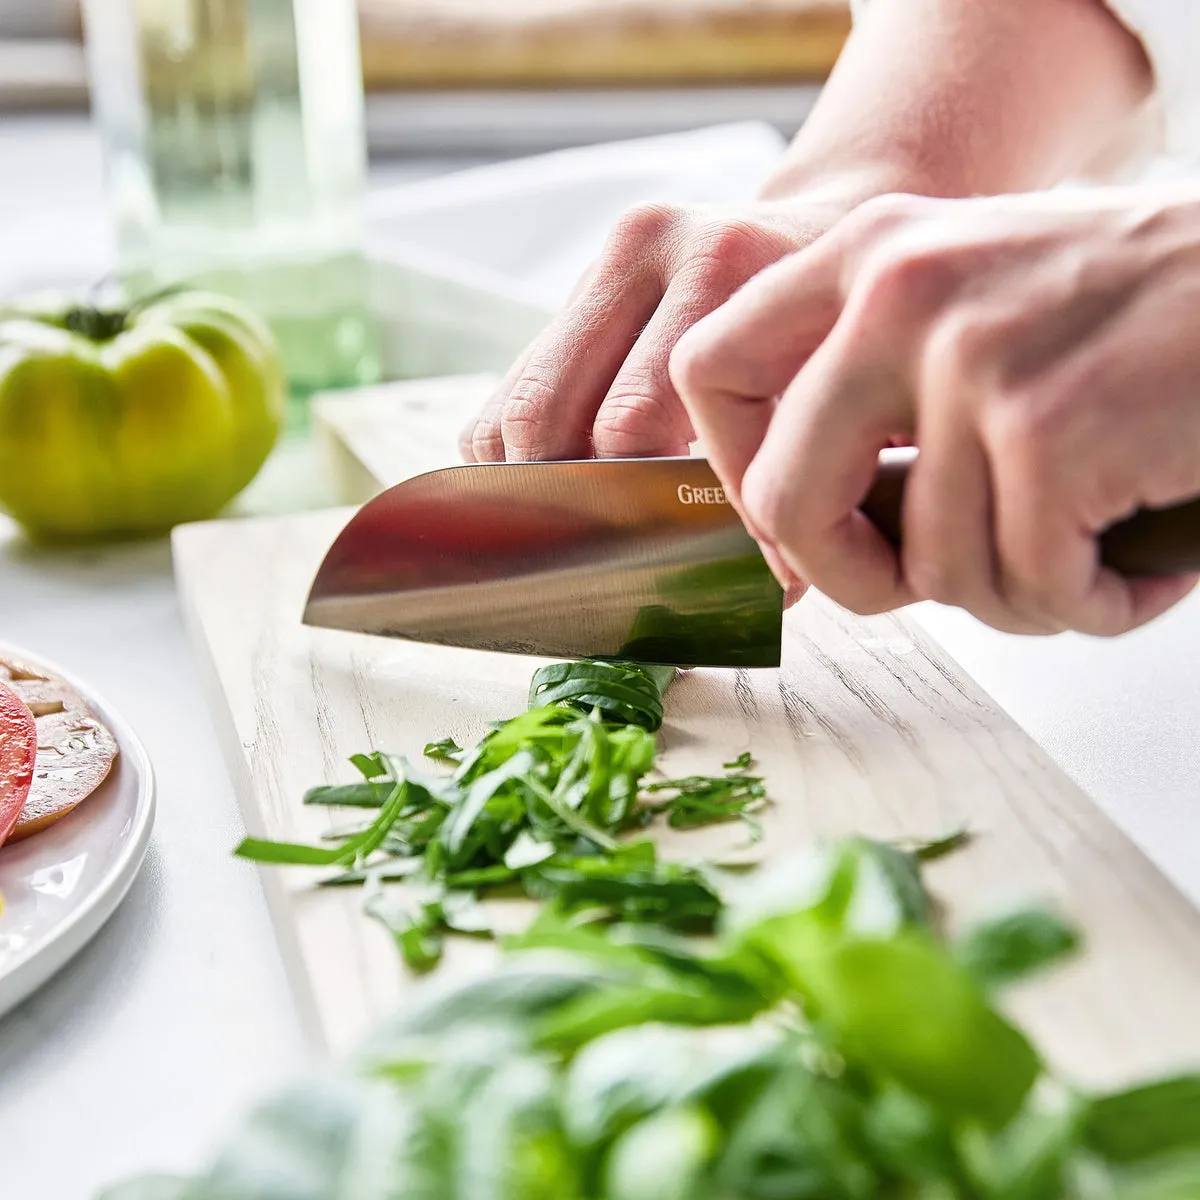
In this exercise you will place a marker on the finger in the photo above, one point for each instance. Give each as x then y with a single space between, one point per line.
642 413
816 464
549 409
948 553
1055 570
793 593
731 366
1050 566
479 440
1133 441
1048 554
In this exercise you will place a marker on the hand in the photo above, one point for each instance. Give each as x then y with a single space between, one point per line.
596 381
1041 351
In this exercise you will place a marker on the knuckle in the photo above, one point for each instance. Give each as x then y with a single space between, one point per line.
881 214
484 443
955 348
525 413
1025 426
1035 603
634 422
907 280
734 249
642 226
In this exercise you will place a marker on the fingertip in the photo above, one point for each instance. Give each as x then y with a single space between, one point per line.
852 564
1152 597
1117 604
683 361
466 437
784 575
794 593
692 358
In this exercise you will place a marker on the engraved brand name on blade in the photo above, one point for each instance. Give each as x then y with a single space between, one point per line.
697 495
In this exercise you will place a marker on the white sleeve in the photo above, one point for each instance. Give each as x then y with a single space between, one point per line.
1169 31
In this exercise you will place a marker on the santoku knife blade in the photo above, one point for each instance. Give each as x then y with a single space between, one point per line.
641 559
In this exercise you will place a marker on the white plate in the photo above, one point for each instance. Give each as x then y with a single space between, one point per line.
60 886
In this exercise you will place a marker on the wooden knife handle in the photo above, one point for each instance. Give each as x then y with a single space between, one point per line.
1160 541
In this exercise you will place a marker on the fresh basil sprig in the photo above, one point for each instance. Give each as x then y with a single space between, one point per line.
831 1045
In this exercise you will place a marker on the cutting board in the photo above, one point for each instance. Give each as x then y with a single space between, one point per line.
867 727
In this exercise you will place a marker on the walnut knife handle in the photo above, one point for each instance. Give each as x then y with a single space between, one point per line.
1159 541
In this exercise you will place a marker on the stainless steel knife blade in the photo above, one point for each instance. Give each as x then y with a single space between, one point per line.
640 559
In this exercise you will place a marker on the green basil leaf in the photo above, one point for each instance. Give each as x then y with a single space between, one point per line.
464 815
1173 1177
797 1136
624 1076
1011 947
520 991
448 750
906 1011
259 850
527 851
511 1145
1146 1121
371 766
625 692
1028 1159
910 1138
663 1157
857 885
350 795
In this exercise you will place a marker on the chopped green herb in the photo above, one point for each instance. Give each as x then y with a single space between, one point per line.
447 750
543 803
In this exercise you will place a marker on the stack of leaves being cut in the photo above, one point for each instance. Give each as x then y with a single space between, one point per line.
831 1046
544 806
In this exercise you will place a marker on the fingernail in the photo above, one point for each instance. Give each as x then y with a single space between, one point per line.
786 577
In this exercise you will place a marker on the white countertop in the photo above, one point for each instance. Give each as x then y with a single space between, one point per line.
178 1014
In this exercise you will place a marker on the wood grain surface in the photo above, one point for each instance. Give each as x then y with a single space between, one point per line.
868 727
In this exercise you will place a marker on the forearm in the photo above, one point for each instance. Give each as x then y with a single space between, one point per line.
967 97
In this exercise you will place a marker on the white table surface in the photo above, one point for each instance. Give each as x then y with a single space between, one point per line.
178 1015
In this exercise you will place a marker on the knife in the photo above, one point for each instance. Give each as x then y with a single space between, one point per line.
640 559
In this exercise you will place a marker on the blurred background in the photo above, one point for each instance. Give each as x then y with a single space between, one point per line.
400 188
484 76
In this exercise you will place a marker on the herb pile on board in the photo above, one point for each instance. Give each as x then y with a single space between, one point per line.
831 1045
547 804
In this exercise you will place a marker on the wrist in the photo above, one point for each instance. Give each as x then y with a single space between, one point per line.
844 187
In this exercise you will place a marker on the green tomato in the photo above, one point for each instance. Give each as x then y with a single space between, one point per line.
125 423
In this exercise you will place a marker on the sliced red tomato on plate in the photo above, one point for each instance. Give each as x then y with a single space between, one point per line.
18 753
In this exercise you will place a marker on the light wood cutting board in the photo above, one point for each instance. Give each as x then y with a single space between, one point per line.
868 727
